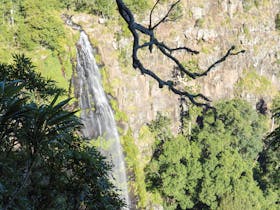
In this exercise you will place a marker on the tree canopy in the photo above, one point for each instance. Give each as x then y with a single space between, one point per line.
212 168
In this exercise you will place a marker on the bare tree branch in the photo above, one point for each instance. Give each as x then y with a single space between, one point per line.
222 59
166 15
151 13
136 29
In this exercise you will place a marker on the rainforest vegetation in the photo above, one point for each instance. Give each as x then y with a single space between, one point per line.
45 164
224 160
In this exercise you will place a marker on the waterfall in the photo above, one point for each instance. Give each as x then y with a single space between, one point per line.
96 113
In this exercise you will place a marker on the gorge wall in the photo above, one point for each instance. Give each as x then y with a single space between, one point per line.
211 27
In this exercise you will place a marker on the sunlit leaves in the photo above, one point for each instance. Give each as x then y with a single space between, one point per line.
213 165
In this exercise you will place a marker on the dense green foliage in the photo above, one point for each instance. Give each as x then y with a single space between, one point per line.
135 167
44 163
245 126
252 83
23 69
212 168
106 8
268 171
101 7
32 23
35 28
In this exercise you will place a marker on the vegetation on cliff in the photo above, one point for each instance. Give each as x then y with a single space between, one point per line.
224 164
215 166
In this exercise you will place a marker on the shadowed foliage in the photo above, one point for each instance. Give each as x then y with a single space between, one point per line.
44 164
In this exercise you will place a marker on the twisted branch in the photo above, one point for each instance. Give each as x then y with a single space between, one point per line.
136 29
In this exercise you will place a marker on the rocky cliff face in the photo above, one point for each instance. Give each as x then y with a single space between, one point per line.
137 95
211 27
250 26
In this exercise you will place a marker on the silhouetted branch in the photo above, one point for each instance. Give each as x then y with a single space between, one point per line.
151 13
181 49
229 53
136 29
166 15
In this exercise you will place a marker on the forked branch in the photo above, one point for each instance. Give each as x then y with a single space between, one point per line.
137 29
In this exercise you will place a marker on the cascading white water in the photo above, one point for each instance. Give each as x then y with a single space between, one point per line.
96 113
